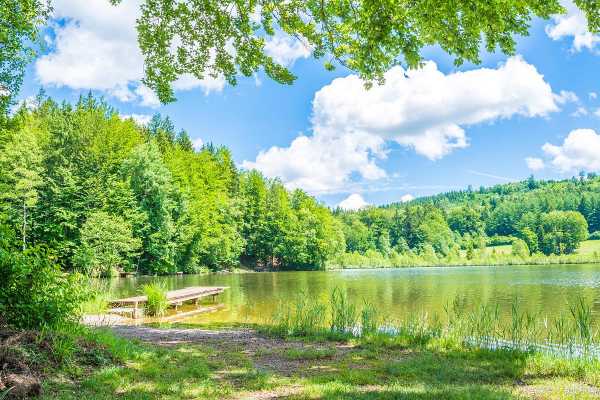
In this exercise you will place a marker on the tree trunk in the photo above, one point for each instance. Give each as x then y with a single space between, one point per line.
24 225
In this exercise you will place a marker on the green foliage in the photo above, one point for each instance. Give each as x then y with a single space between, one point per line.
107 245
520 248
157 303
562 232
21 20
34 292
343 312
594 235
229 40
21 163
549 216
105 194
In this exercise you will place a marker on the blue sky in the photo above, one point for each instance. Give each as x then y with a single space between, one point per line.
442 128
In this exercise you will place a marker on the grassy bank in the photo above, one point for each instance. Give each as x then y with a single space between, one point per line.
589 252
332 350
252 366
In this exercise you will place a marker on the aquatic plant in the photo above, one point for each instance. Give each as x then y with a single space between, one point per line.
343 312
157 303
479 326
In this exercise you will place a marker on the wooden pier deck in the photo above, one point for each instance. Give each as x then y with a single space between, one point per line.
174 297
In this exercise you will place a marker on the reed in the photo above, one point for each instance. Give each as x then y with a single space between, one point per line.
481 326
343 312
369 319
157 303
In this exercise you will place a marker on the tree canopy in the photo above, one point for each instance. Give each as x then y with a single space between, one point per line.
227 38
105 194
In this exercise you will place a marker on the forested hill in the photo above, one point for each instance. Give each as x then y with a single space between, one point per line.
104 194
551 217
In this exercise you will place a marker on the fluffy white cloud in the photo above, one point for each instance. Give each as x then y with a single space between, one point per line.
579 151
286 49
322 163
141 119
353 202
427 109
572 24
197 144
95 47
535 164
406 198
593 95
423 109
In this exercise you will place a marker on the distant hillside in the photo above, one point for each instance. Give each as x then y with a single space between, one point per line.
544 214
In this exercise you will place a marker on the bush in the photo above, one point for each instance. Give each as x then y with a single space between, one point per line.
157 303
520 248
594 236
498 240
35 293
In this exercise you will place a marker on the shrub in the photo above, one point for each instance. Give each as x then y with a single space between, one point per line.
520 248
157 299
35 293
594 236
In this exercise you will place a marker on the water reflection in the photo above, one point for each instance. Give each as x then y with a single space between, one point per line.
253 297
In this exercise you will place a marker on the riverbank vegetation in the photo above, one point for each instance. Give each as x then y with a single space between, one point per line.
105 195
324 362
543 222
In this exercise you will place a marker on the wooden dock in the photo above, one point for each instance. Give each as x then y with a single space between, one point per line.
174 297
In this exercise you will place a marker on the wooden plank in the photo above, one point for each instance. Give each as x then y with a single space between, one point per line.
177 296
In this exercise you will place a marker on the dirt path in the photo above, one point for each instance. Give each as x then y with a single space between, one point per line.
266 354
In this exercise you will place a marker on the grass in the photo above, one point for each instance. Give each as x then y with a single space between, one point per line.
588 252
377 367
589 247
157 303
333 351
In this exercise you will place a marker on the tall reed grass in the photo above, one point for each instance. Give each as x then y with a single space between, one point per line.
157 303
481 326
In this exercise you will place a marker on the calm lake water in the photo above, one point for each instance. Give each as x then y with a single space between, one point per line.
253 297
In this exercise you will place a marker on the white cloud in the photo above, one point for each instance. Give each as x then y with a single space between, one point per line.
208 84
141 119
579 151
322 163
147 97
565 97
353 202
597 112
285 49
593 95
535 164
580 112
572 24
95 47
406 198
427 110
197 144
4 92
424 109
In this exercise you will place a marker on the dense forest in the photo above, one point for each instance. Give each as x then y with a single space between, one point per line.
103 194
535 216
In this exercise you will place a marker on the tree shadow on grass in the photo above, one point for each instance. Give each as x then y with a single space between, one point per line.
424 374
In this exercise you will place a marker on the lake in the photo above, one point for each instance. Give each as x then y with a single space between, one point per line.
253 297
